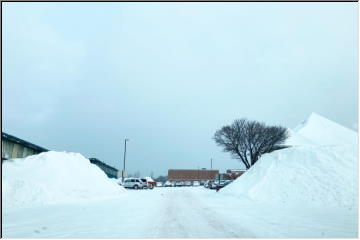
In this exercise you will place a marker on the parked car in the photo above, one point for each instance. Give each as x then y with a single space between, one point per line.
134 183
144 182
214 184
151 182
220 185
188 184
208 183
196 183
148 182
179 184
159 184
167 184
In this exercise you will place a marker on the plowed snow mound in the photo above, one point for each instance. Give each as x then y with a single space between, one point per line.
296 139
326 132
54 177
320 168
298 175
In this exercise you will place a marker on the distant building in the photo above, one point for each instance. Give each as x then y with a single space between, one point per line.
191 174
111 172
13 147
223 176
230 174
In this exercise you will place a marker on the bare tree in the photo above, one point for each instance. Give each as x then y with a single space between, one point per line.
161 179
248 140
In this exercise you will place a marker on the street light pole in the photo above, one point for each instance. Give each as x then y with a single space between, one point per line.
122 174
198 175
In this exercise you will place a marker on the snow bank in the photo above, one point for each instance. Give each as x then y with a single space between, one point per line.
326 132
298 175
320 168
296 139
52 178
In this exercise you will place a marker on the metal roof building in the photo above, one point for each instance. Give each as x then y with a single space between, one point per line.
13 147
110 171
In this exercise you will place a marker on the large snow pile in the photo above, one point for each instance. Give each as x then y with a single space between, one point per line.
54 177
323 131
296 139
320 168
317 175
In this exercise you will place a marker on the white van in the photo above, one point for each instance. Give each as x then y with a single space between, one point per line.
134 183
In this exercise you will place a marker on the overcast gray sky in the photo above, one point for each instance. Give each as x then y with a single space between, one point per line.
83 76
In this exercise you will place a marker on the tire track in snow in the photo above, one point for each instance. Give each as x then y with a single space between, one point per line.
215 220
184 216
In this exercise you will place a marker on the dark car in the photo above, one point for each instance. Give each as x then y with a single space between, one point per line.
179 184
223 183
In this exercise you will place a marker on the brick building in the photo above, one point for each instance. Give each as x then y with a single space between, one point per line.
191 174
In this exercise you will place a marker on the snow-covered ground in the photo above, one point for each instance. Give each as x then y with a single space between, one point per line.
187 212
308 190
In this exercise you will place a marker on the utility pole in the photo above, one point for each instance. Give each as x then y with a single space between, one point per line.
122 174
218 185
198 174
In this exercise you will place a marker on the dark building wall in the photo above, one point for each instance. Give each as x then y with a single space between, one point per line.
110 171
13 147
191 174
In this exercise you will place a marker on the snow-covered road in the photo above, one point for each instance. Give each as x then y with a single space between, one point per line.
186 214
189 212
